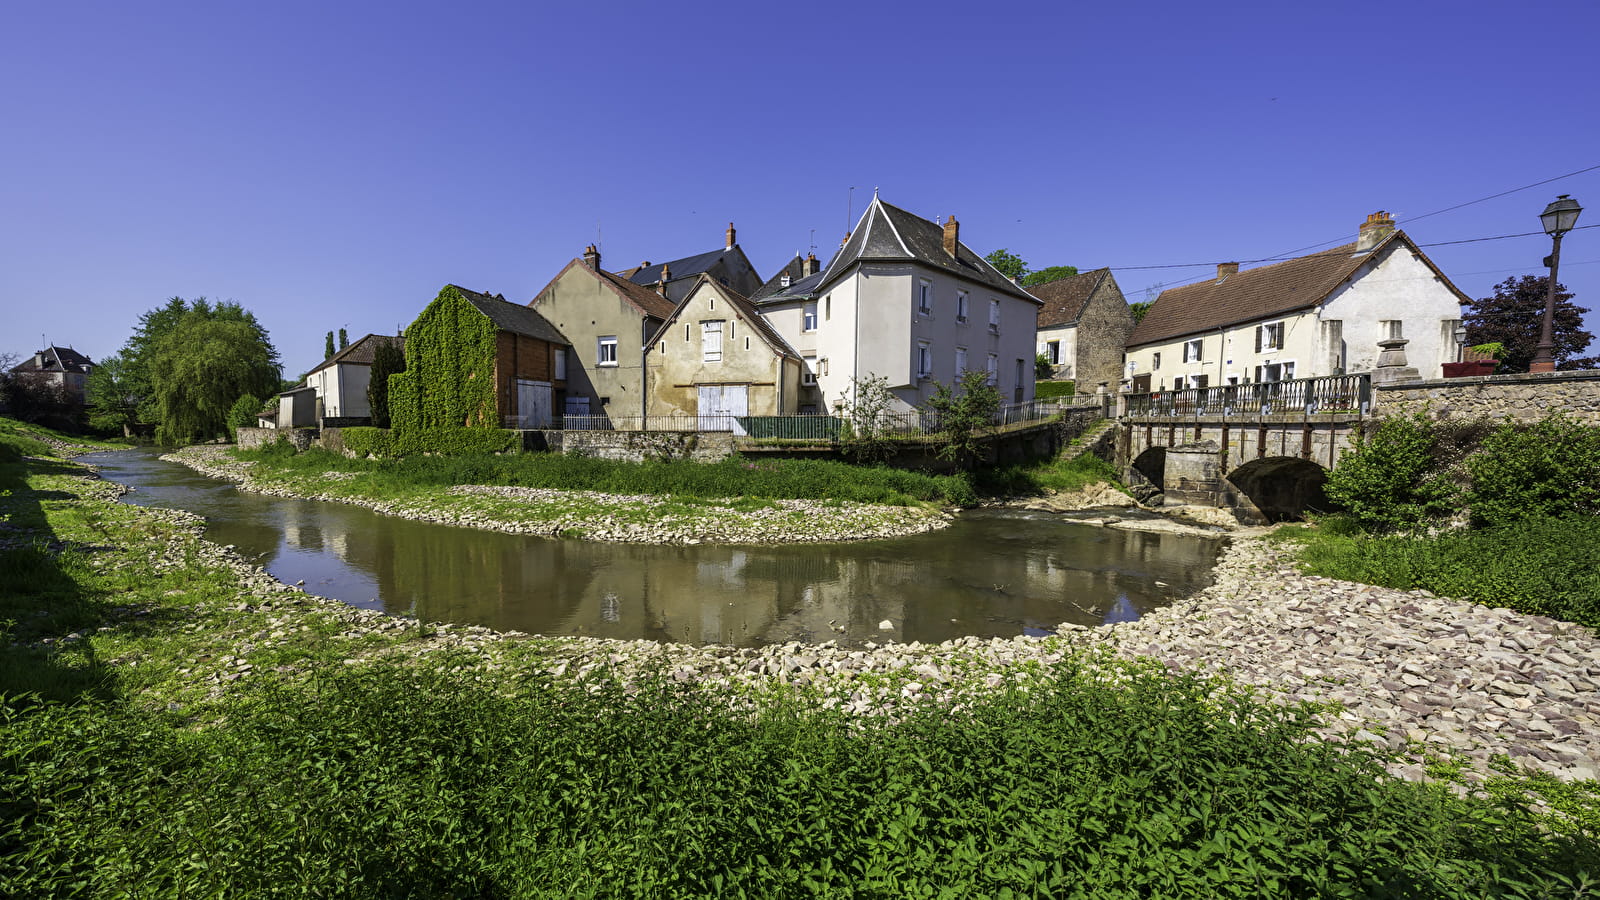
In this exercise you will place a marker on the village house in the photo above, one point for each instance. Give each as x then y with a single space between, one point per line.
609 321
716 359
1316 315
905 300
788 301
1083 327
728 267
61 368
339 383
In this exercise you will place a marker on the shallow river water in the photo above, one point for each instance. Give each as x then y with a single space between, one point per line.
992 573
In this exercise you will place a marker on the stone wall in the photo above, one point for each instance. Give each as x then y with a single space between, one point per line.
637 446
250 438
1523 398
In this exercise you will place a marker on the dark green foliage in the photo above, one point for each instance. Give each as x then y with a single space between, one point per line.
1007 263
443 441
387 359
1138 310
448 380
1048 274
863 437
1391 481
401 783
965 413
1042 367
1538 566
113 397
243 414
344 340
1050 390
1514 318
327 346
1038 478
1551 468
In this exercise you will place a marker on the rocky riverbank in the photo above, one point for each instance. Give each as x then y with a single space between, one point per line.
589 515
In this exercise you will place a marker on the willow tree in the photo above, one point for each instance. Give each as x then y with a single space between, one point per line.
200 367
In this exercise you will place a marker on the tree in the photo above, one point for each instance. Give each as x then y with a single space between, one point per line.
1048 274
327 346
964 412
213 355
1514 316
864 406
1137 310
387 359
114 398
1007 263
242 414
344 340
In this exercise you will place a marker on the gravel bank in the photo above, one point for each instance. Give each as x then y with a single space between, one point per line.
594 516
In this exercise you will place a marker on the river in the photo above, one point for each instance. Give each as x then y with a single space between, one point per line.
993 573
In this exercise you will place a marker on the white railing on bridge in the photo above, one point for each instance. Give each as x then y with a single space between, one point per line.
1349 394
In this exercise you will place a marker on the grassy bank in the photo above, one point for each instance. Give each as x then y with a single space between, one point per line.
1544 567
172 726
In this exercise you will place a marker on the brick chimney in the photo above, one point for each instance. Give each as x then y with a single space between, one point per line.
666 276
732 235
1378 226
952 236
808 266
1226 269
591 257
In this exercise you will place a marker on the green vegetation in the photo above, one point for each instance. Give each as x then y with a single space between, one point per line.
1060 475
387 359
1391 481
965 412
1051 390
382 442
448 380
242 414
1551 468
1013 266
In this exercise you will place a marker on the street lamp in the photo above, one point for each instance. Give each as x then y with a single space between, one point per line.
1558 219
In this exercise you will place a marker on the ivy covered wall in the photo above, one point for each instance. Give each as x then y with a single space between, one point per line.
449 376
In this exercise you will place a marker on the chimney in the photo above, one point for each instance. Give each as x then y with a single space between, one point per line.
666 275
808 266
591 257
952 236
845 240
1378 226
731 237
1226 269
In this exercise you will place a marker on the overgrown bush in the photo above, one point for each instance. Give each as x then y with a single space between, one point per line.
1051 390
1551 468
242 414
965 413
1392 480
363 441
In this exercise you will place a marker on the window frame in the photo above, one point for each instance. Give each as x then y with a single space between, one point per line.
924 360
962 306
925 296
1194 350
601 343
808 317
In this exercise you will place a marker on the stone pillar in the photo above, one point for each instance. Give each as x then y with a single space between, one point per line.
1193 475
1392 368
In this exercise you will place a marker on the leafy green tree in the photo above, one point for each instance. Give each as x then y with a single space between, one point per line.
1007 263
864 406
327 346
1139 309
1392 480
242 414
199 368
344 340
388 359
965 412
1546 470
113 397
1048 274
1514 318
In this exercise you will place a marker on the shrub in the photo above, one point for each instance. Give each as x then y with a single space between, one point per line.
1050 390
1392 481
363 441
1549 469
965 412
242 414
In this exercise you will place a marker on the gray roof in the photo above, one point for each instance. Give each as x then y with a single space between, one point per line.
804 289
508 316
889 233
678 268
56 359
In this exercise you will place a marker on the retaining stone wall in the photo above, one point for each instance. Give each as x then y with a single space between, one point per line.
250 438
637 446
1523 398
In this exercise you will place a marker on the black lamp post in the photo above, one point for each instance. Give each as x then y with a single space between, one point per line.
1558 219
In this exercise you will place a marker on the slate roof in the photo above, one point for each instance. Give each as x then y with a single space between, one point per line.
56 359
747 311
889 233
1261 293
508 316
804 289
687 267
794 268
359 353
1065 298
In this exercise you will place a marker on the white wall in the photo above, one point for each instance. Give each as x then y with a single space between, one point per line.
1397 286
342 388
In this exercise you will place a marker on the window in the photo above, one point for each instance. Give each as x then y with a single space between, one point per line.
1269 337
747 342
961 361
1275 372
808 371
994 316
711 340
809 317
686 327
1391 329
993 368
783 280
827 308
1017 378
606 350
561 363
1052 352
1177 383
924 359
924 296
1191 350
1155 361
961 306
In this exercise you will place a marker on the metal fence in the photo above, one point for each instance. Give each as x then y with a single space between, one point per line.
1333 394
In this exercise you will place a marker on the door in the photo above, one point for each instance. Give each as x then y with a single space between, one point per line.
533 404
720 404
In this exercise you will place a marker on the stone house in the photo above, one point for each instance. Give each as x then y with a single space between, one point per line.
62 368
609 321
340 382
1083 327
715 358
1312 316
728 267
905 300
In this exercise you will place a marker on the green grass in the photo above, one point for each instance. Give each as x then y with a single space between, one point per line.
25 439
1543 567
1063 476
1050 390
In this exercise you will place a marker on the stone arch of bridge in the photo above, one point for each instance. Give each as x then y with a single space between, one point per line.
1283 488
1151 465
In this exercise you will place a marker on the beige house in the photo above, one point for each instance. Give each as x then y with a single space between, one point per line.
1083 328
1313 316
716 359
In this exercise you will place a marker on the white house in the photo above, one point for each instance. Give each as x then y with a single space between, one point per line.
1308 317
905 300
340 381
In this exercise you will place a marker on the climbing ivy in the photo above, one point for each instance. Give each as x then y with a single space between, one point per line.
449 376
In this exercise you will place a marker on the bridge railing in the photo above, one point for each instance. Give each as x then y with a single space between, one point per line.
1349 394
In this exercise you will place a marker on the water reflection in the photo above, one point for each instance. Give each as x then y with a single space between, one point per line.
994 573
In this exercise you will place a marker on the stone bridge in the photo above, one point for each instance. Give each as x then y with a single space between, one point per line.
1263 451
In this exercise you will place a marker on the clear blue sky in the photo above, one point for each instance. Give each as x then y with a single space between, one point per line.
335 164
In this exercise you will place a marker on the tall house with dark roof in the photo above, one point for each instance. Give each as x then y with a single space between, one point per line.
907 301
60 367
728 267
609 321
1316 315
1083 328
